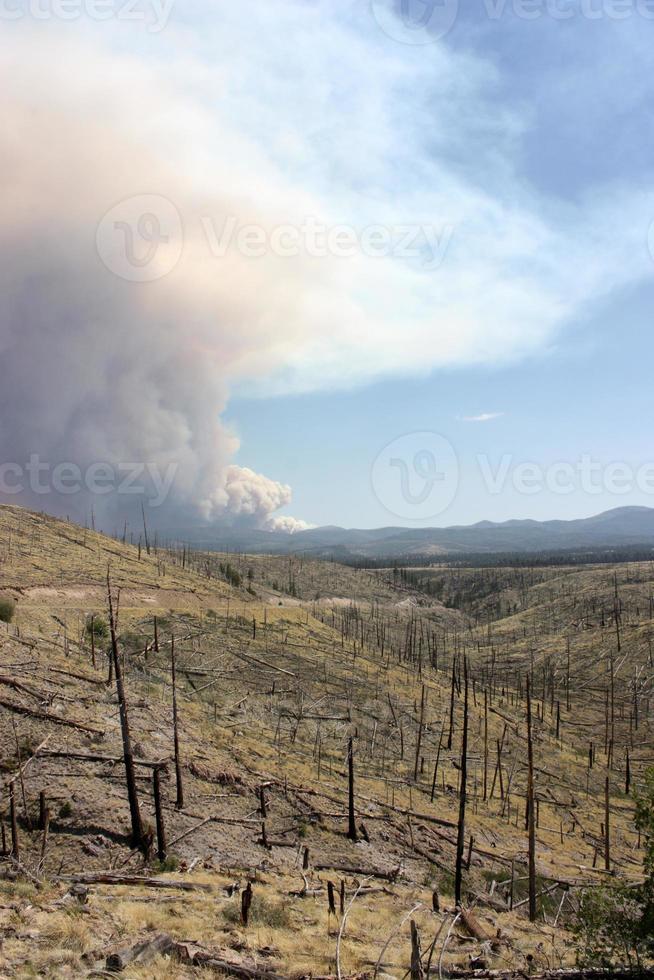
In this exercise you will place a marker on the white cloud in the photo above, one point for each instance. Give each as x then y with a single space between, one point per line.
483 417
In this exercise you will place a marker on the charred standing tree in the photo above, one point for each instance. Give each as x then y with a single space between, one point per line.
161 830
419 738
179 803
451 731
138 839
531 813
461 830
352 827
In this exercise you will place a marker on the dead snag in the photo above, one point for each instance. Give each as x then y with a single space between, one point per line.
161 832
45 827
419 738
15 845
531 814
461 828
352 827
246 902
179 803
485 745
138 839
262 802
330 898
417 972
607 830
451 732
42 809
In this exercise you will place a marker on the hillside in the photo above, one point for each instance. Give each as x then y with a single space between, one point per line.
279 662
622 527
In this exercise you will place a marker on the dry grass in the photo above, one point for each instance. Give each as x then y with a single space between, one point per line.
269 693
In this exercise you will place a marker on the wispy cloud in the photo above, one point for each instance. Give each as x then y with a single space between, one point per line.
482 417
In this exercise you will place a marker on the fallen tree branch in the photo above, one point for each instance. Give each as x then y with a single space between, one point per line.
137 881
48 716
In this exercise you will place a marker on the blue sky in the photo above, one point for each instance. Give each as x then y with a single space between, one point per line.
582 92
340 262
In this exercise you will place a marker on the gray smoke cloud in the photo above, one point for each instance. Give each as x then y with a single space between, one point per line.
111 386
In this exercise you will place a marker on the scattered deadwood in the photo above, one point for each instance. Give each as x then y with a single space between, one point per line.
89 757
140 954
48 716
227 777
136 881
193 955
590 974
22 688
359 872
476 929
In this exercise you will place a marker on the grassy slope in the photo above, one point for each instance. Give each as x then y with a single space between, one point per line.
275 702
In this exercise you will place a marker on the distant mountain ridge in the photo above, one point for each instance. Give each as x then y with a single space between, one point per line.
618 528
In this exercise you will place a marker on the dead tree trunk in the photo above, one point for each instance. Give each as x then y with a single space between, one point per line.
178 766
161 832
417 972
607 829
352 827
419 739
531 814
451 731
461 829
138 839
15 845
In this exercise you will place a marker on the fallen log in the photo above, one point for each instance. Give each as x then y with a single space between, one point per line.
194 955
359 872
48 716
89 757
140 954
475 928
137 881
572 974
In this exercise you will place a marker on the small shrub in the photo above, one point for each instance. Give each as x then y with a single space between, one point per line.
7 609
97 626
611 927
66 809
263 912
170 864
